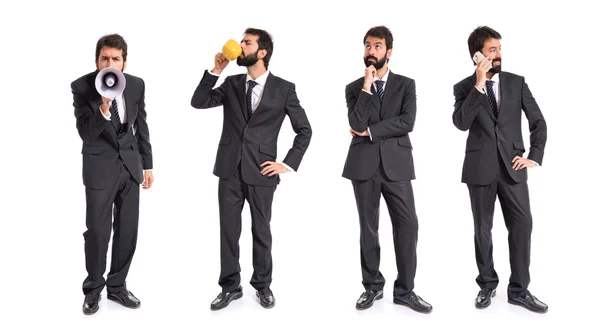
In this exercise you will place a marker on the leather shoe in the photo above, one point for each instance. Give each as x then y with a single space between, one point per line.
530 302
415 303
367 299
223 299
125 298
484 297
90 303
265 297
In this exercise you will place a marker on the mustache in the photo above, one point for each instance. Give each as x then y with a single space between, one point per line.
371 57
497 60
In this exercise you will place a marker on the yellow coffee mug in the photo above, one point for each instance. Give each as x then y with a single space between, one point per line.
232 50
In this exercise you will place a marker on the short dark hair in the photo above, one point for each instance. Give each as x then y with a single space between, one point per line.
264 42
112 41
479 36
381 32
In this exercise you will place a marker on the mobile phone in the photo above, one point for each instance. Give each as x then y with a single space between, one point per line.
478 57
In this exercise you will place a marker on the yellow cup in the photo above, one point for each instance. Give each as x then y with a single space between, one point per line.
232 50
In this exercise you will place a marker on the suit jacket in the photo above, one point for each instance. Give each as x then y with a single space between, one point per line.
250 142
493 142
104 150
389 123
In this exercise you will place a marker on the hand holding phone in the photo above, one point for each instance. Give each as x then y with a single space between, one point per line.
478 57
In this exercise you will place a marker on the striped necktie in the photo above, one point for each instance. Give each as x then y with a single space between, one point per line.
489 85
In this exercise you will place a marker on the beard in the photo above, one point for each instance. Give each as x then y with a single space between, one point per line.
377 63
248 60
498 68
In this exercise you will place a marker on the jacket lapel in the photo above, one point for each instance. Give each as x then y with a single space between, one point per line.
503 91
390 87
241 88
130 112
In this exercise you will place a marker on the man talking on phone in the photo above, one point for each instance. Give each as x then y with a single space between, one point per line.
488 105
381 110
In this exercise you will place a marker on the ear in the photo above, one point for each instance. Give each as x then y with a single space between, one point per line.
124 65
388 54
262 53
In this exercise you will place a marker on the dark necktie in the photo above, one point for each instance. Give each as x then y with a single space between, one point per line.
489 85
114 111
379 85
251 85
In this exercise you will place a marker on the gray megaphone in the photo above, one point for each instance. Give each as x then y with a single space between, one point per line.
110 82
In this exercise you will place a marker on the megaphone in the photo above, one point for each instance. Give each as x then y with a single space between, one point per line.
110 82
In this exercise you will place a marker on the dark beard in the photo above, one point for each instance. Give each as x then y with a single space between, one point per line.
496 69
248 60
371 60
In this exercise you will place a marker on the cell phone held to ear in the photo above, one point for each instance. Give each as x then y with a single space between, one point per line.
478 57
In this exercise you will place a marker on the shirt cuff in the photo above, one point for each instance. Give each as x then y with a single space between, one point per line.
370 135
106 117
536 163
150 170
367 92
214 74
480 91
287 167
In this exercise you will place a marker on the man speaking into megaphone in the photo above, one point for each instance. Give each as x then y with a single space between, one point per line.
117 158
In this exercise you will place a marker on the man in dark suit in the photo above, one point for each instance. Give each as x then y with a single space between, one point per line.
382 109
488 105
254 107
116 148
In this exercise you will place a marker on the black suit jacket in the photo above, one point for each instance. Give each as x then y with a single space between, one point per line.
489 135
103 150
253 141
389 123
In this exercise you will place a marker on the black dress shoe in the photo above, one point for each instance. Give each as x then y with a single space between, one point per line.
223 299
90 303
125 298
367 299
265 297
530 302
415 303
484 297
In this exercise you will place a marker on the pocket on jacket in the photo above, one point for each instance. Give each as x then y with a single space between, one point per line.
90 150
473 144
519 145
404 143
265 149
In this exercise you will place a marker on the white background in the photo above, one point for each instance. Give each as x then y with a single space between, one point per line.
316 278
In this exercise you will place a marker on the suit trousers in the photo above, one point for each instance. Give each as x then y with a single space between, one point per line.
116 206
514 200
401 206
232 194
